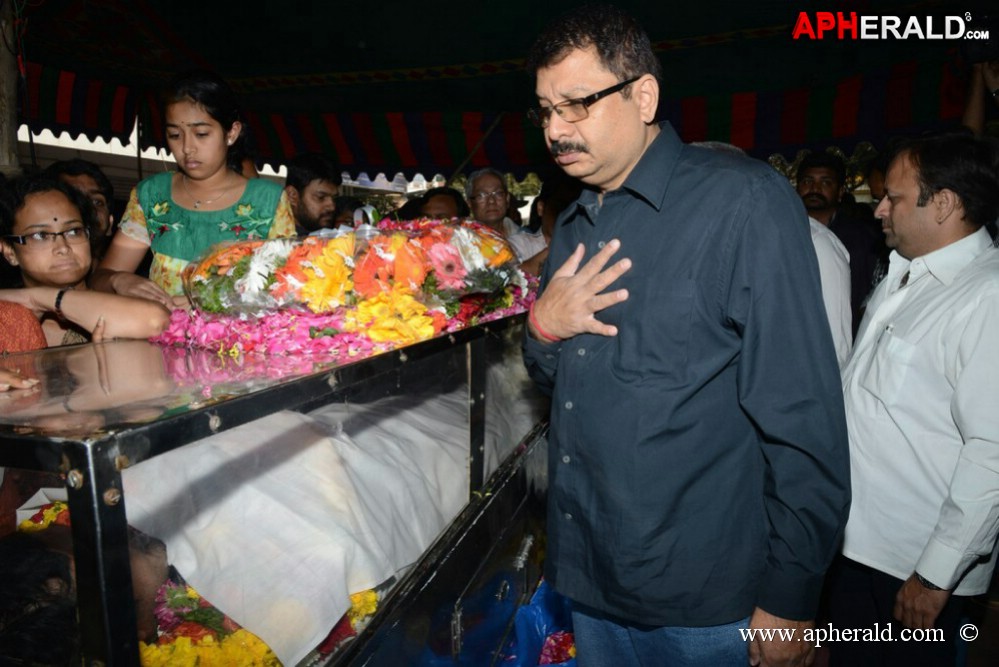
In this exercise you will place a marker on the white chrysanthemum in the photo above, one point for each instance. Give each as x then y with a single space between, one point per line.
262 265
517 278
464 241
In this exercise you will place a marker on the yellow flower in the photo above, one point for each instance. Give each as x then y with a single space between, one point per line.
240 648
244 209
329 281
362 605
161 208
49 515
495 252
391 317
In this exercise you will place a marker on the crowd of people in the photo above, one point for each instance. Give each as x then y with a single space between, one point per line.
772 406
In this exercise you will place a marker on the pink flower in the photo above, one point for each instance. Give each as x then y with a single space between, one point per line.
448 266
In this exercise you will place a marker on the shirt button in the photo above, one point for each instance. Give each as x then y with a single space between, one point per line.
549 356
568 517
581 352
601 244
568 405
566 459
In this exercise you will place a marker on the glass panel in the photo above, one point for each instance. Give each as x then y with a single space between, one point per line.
37 599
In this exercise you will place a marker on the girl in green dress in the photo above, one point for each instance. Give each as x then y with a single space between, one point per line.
207 200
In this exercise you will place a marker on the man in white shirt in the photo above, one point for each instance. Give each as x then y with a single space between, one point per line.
921 390
488 198
834 272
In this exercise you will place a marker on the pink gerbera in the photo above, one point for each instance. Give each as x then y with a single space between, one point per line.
448 266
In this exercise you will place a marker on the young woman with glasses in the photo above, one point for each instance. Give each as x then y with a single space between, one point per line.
45 231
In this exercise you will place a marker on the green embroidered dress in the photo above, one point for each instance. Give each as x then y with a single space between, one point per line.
178 235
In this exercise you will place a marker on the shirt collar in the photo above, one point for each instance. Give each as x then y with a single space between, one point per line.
650 178
945 263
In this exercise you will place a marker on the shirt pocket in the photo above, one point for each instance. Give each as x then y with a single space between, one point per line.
886 375
656 340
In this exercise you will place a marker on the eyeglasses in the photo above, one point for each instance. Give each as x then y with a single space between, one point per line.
74 236
573 111
495 195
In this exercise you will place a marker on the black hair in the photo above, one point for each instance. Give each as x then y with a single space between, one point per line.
308 167
621 43
37 604
823 160
210 92
411 210
965 165
463 210
14 194
80 167
347 203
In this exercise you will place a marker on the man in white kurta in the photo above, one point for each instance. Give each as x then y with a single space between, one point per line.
922 407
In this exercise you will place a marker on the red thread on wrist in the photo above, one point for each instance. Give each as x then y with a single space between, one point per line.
537 327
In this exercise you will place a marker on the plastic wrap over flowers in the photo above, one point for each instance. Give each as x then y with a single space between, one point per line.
428 259
392 285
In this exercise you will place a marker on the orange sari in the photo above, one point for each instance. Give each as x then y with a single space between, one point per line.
20 330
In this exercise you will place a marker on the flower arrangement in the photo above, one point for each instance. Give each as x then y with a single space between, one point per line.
349 295
193 632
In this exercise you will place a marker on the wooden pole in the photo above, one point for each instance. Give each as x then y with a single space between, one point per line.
8 92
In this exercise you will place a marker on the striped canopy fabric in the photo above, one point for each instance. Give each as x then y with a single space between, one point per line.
387 108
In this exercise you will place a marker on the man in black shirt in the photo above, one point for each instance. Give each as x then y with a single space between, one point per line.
699 478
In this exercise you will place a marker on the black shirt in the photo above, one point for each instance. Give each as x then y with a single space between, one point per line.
698 460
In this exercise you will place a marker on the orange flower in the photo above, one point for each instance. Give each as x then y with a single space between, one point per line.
194 631
410 266
290 276
439 320
494 250
225 258
371 275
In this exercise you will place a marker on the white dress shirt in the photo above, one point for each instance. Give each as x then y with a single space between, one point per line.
524 244
834 272
922 408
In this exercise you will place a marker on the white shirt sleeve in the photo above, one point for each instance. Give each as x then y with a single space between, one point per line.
968 524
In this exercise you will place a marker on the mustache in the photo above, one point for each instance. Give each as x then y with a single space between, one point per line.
817 198
560 147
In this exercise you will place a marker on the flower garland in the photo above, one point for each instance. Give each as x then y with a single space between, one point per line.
56 512
194 633
349 297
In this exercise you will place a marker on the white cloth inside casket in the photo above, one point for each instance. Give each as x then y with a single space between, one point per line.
513 406
276 522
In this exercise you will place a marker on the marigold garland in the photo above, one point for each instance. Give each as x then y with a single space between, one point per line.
56 512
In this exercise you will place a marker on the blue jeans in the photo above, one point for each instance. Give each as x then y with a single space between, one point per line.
604 641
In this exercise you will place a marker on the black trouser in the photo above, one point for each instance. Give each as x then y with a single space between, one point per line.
863 598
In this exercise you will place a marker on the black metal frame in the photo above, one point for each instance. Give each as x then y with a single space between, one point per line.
92 466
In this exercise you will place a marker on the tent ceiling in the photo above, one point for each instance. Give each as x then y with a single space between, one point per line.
414 86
